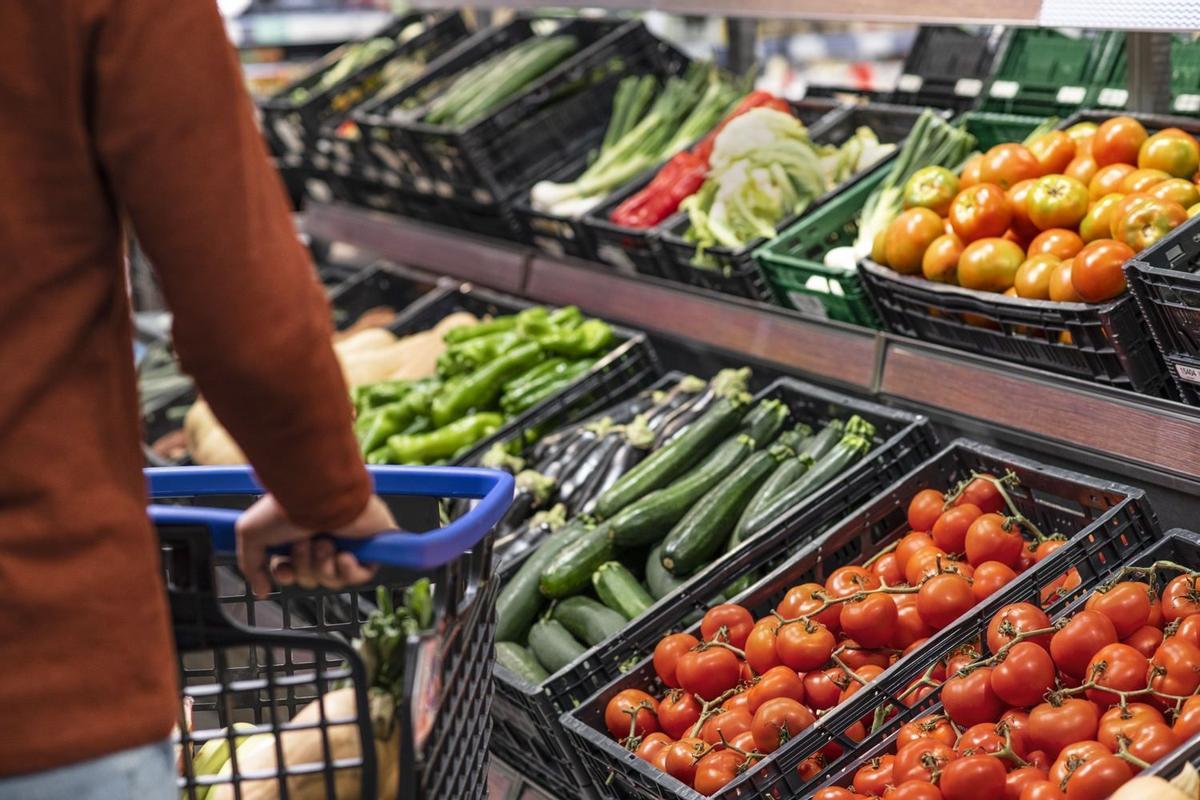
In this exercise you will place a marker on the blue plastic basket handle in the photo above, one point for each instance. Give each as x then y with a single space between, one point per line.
413 551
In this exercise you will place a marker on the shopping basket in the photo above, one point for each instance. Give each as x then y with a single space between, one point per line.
274 690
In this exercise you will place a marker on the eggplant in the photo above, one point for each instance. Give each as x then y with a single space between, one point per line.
556 466
624 459
726 383
529 535
591 469
533 490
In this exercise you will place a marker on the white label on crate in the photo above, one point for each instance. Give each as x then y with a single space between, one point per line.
615 256
1070 95
424 185
1190 374
968 87
808 304
340 168
319 190
371 173
1113 98
289 133
481 195
1004 89
320 162
552 246
387 155
1187 103
910 83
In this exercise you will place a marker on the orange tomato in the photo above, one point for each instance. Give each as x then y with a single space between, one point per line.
940 262
1145 223
980 211
989 264
1082 168
1032 280
1108 180
1097 224
1059 242
1173 151
1118 140
1008 164
1061 289
1053 151
1142 179
1018 200
908 236
1096 272
1176 190
970 172
1057 201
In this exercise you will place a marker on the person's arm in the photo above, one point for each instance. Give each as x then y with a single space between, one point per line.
175 137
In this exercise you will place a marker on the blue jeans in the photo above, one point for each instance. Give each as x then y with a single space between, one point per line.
143 773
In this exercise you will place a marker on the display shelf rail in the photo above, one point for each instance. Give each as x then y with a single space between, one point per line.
1155 435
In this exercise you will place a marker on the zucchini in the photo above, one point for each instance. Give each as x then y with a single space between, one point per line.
520 661
520 600
675 458
824 441
735 588
569 571
660 582
588 620
796 438
784 476
553 645
620 591
650 518
765 421
709 523
851 448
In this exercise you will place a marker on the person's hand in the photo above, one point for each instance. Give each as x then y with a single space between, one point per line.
312 563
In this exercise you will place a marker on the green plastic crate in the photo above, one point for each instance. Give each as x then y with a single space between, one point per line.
793 262
1185 77
1049 73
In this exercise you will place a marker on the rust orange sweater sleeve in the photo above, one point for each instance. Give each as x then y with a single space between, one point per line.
176 137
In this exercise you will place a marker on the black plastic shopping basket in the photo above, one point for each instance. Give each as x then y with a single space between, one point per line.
277 701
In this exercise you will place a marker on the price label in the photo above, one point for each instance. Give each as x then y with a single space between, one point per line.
1187 103
320 161
1189 374
968 87
552 246
319 190
289 133
910 83
1113 98
809 304
1004 90
617 257
1070 95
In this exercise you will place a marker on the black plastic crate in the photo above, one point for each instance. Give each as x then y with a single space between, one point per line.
947 67
551 233
552 120
293 127
1104 518
634 250
1108 343
528 714
1165 279
495 219
736 272
1095 567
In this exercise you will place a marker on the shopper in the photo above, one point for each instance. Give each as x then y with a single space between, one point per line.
115 109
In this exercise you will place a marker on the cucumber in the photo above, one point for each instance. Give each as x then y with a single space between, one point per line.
787 473
520 661
851 448
660 582
666 464
707 526
764 422
553 645
569 571
520 600
650 518
620 591
588 620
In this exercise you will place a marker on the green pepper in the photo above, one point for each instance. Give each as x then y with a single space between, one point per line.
480 389
375 426
535 375
381 455
566 317
588 339
445 441
516 403
467 332
474 353
386 392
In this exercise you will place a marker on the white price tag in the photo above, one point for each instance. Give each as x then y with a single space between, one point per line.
1070 95
1113 98
968 87
910 83
615 256
552 246
1005 90
1187 103
808 304
1190 374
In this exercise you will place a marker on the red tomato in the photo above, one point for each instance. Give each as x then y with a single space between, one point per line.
910 627
1084 635
1119 667
810 767
678 712
1152 742
1024 676
970 171
804 646
940 262
909 545
1098 778
708 673
982 493
875 775
1118 140
716 770
1057 201
870 620
683 757
760 648
909 236
1075 755
1141 180
1014 619
1108 180
1174 153
992 537
1096 272
1042 790
970 699
845 581
1189 628
821 688
1018 779
1148 222
1053 151
652 744
990 577
913 790
936 727
1018 200
728 623
804 599
776 682
1124 722
972 777
924 509
856 656
727 724
778 720
1082 168
1145 640
1126 604
943 599
916 761
741 700
667 653
1180 597
620 712
1008 164
950 530
926 561
980 212
1032 280
1175 667
887 569
835 793
1058 242
1187 721
1052 728
868 673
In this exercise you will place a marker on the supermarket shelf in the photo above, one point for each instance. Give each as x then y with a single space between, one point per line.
1150 434
307 28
